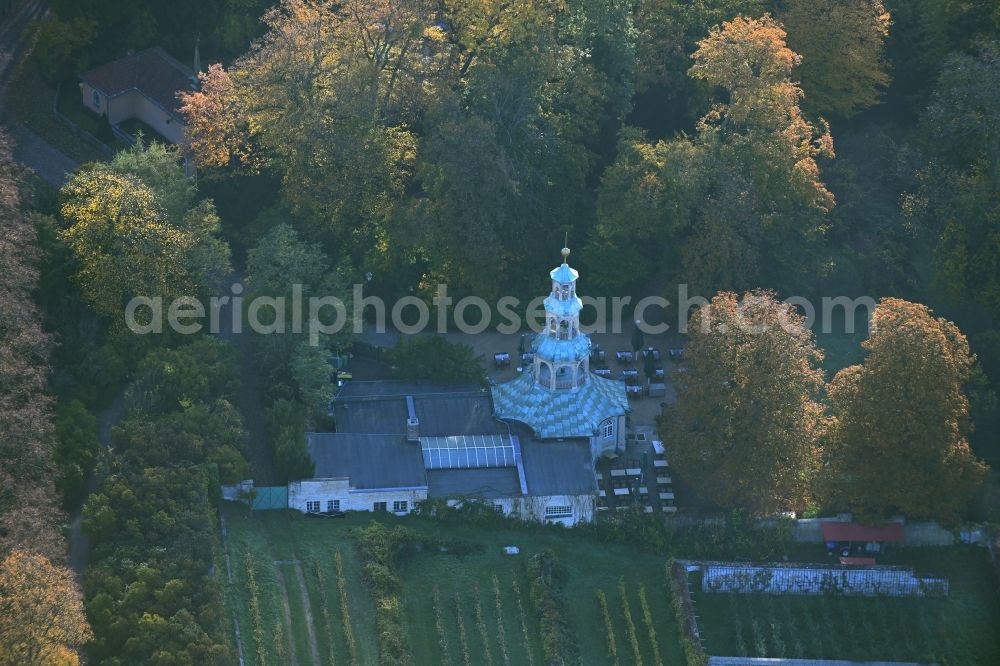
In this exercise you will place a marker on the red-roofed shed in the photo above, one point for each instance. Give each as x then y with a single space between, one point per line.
857 561
855 532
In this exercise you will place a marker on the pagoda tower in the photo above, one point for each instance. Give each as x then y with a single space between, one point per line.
562 352
557 396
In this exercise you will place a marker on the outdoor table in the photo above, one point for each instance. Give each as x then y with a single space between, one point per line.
527 357
617 472
633 390
621 491
501 360
666 496
676 352
633 471
659 463
624 357
659 373
603 372
630 372
651 351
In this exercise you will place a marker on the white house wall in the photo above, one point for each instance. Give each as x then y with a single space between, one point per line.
533 508
322 490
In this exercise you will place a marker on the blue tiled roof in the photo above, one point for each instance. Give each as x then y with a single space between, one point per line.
564 274
575 412
557 350
565 308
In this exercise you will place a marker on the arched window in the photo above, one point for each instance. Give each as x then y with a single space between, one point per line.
608 429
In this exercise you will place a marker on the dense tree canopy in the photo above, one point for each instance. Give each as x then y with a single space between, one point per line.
843 70
745 430
152 596
740 203
136 230
899 440
957 197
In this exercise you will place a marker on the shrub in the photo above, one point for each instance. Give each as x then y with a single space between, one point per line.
633 637
558 642
462 637
484 633
381 548
524 623
324 603
501 635
609 628
439 626
433 358
647 619
345 610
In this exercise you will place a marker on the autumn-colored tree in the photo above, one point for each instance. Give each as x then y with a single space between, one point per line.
41 612
899 439
748 181
745 430
841 42
29 508
136 230
319 100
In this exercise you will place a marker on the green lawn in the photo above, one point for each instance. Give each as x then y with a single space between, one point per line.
442 589
960 629
293 541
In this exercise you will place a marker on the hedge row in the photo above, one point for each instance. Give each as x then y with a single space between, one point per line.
680 598
381 548
558 643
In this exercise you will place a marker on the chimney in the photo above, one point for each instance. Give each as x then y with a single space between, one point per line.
412 422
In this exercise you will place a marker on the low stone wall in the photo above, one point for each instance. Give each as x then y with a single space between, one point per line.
810 530
729 577
761 661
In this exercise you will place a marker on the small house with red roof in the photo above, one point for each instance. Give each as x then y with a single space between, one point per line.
848 537
142 85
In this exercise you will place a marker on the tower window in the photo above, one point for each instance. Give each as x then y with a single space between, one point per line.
609 429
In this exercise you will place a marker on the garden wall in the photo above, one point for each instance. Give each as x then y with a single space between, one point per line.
810 530
805 579
760 661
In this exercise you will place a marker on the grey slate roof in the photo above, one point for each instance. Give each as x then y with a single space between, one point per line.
380 408
558 468
370 461
478 483
370 445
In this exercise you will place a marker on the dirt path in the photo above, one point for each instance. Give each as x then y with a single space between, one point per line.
288 615
79 545
310 625
248 398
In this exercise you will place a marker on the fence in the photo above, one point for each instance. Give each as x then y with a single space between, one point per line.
805 579
761 661
263 497
76 129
